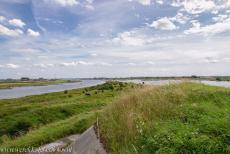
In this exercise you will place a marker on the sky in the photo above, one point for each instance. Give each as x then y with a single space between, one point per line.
114 38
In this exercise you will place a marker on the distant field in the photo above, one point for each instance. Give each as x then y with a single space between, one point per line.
186 118
17 83
36 120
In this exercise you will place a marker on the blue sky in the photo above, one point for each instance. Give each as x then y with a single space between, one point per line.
114 38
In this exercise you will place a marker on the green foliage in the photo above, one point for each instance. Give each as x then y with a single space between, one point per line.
36 120
182 118
19 127
66 92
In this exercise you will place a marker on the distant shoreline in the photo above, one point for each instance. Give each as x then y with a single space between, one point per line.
193 77
9 84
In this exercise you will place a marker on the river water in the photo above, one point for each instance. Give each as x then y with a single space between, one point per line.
36 90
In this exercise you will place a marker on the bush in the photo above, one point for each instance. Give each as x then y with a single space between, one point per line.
87 94
19 127
66 92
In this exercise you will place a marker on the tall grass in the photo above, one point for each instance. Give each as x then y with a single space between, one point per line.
177 118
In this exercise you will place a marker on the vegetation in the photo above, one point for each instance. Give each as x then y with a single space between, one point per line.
193 77
36 120
178 118
8 84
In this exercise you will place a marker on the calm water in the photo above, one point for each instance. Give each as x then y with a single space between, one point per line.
35 90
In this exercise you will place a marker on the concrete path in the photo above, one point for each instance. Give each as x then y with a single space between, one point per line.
57 146
86 143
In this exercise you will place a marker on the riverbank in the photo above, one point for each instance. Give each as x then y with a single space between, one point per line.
40 119
175 118
9 84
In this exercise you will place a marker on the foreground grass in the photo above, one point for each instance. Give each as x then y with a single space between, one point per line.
16 83
36 120
182 118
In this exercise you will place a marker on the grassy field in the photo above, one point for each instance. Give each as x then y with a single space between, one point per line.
36 120
4 84
186 118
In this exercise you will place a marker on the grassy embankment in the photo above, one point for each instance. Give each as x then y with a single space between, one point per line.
36 120
17 83
182 118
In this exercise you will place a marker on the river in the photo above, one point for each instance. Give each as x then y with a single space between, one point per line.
36 90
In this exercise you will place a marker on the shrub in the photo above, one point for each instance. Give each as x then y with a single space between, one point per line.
19 127
66 92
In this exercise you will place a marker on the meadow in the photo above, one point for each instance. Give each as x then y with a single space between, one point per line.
40 119
186 118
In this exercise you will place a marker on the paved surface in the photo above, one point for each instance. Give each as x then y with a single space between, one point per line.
57 146
86 143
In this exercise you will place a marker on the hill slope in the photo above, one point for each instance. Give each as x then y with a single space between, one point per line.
180 118
40 119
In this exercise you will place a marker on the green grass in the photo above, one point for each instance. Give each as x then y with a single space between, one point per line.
16 83
183 118
40 119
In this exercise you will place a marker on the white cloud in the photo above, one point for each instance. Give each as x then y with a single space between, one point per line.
28 50
176 3
215 12
68 64
163 24
13 66
10 32
130 38
90 1
75 63
17 23
131 64
2 18
84 63
220 17
211 29
161 2
180 18
211 60
150 63
93 55
44 65
32 33
64 2
103 64
198 6
89 7
143 2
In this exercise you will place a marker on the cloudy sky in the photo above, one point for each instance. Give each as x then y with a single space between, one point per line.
114 38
